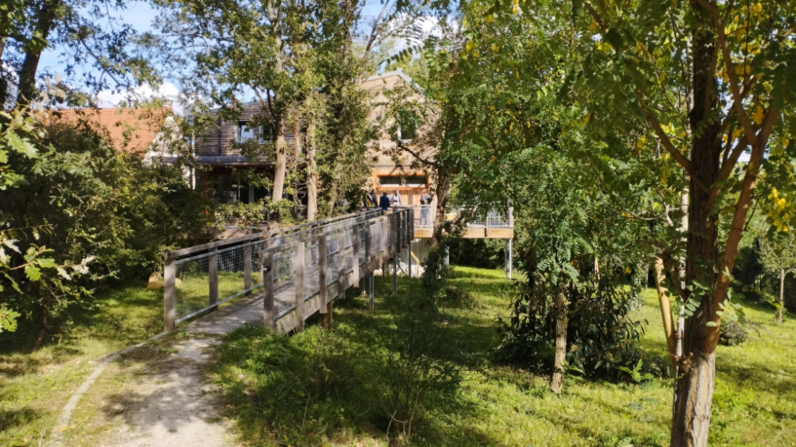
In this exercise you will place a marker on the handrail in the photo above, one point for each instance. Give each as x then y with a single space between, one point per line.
266 235
287 266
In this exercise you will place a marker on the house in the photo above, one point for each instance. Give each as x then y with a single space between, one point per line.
149 133
223 150
227 148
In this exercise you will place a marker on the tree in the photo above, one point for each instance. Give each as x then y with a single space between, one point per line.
75 29
234 48
778 255
697 85
82 204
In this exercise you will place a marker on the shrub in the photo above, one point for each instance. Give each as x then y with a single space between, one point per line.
601 337
418 374
732 334
459 298
92 202
481 253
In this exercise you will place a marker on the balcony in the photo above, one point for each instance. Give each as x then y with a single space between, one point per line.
495 226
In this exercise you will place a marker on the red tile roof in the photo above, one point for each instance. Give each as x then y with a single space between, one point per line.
130 130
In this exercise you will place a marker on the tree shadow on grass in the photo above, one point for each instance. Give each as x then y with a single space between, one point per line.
18 417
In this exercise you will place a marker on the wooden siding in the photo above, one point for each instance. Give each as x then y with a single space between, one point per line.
220 139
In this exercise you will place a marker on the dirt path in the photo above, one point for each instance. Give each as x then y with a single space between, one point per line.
167 400
173 407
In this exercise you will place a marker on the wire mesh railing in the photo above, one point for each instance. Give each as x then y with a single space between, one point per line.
293 261
425 216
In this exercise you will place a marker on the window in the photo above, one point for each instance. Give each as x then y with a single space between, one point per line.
407 126
243 132
403 181
263 136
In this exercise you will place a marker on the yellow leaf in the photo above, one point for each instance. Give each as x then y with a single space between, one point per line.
758 115
627 270
585 120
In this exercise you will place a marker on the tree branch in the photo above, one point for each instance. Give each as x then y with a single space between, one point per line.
667 143
737 230
730 68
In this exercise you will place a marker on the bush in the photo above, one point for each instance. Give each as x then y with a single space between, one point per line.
732 334
480 253
89 201
418 373
601 337
459 298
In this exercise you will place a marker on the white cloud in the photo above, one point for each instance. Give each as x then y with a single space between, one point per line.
167 92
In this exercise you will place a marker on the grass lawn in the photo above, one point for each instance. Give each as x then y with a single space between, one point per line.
317 388
34 387
321 388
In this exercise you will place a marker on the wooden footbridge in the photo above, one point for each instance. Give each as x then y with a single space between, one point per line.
297 271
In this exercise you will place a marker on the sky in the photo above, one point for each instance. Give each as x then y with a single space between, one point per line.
140 15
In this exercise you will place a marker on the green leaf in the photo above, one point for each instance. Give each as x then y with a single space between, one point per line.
33 273
46 263
22 145
13 283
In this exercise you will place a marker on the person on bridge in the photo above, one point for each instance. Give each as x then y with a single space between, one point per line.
384 201
395 199
371 201
425 202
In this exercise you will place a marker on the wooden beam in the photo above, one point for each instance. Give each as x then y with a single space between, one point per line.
298 280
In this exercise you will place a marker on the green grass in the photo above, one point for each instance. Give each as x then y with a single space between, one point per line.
35 386
193 293
316 388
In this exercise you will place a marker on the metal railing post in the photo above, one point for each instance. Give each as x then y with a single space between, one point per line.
213 274
355 251
371 304
367 247
267 274
169 294
298 268
322 294
247 268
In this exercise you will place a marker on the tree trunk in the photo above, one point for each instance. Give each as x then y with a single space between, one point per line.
666 312
33 49
443 189
694 392
781 295
42 330
557 381
312 172
596 268
281 163
278 111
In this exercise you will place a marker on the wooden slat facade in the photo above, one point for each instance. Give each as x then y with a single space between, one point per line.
220 139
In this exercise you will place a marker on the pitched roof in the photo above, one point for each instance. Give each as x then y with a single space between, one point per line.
401 74
130 130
